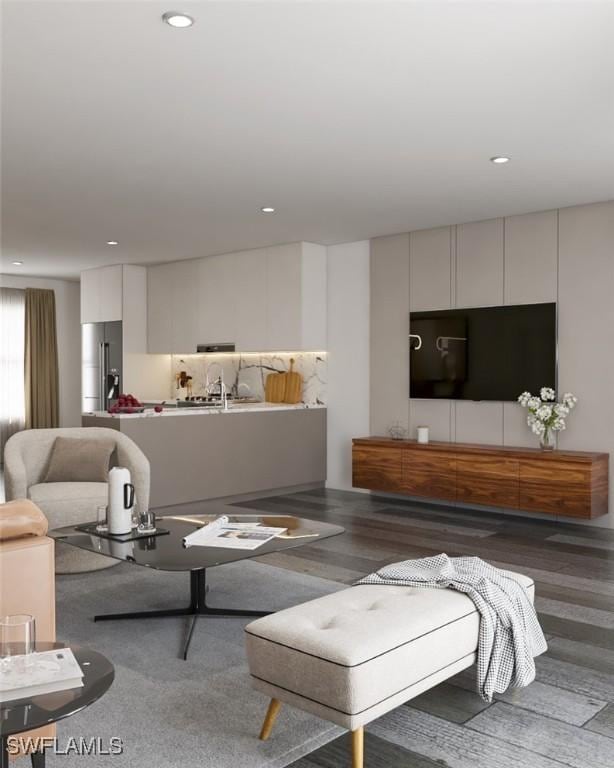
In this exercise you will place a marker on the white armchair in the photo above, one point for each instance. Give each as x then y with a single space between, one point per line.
26 458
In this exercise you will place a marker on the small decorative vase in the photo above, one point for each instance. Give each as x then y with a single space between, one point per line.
546 441
397 431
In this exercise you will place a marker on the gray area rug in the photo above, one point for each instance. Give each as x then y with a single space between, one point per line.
169 712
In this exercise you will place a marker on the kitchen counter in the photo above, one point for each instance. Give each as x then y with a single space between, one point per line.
149 413
266 447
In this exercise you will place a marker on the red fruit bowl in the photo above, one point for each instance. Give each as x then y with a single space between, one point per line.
127 404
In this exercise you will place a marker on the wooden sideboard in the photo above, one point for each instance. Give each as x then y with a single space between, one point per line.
566 483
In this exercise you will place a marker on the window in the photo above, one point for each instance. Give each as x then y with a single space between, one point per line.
12 354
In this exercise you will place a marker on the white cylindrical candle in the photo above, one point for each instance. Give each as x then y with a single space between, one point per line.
423 434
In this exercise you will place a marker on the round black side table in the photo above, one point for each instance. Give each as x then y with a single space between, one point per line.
27 714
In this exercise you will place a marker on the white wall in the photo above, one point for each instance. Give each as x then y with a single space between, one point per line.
389 313
68 322
348 356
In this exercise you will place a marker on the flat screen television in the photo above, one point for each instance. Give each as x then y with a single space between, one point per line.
487 353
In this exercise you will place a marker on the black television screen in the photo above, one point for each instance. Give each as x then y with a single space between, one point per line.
487 353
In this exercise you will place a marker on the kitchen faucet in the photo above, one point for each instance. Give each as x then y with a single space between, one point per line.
209 382
223 393
219 382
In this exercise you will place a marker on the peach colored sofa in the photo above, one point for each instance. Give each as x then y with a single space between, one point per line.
27 574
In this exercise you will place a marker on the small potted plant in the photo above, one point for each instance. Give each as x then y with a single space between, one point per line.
546 415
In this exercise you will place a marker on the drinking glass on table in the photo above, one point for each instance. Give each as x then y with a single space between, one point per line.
17 641
101 518
147 521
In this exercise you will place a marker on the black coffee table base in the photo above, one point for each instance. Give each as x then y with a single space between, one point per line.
197 607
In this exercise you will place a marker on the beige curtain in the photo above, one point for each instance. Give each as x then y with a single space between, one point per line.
41 364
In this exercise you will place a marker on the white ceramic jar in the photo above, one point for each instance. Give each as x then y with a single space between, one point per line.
423 434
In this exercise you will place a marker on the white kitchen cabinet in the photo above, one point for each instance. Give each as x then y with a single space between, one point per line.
111 293
174 299
250 311
296 297
218 290
262 300
134 309
120 293
185 303
101 294
90 296
161 293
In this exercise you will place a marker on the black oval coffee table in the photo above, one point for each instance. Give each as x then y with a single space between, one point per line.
167 553
27 714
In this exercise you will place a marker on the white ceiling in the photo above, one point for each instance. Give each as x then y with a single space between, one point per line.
352 119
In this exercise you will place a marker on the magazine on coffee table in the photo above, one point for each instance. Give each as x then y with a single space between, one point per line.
222 533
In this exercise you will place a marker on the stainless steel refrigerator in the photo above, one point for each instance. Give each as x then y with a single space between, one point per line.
101 365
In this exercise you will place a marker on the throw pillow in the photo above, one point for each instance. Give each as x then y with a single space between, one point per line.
78 460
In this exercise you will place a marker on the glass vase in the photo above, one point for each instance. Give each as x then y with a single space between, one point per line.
546 441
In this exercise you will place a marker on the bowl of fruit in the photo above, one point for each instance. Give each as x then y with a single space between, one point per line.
126 404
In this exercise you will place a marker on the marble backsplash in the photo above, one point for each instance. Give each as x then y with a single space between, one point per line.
245 374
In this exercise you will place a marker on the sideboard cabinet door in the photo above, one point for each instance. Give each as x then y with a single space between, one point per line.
429 473
556 488
489 480
377 468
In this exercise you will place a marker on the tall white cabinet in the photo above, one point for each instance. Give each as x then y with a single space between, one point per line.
261 300
161 285
250 312
115 293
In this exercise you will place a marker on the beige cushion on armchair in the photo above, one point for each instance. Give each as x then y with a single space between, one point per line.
26 461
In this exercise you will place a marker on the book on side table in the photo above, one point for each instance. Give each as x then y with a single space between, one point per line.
35 674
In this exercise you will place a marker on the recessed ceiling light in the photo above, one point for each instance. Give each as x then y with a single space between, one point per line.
177 19
267 209
499 159
112 242
18 263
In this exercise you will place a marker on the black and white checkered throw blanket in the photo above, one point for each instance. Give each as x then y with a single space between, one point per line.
510 635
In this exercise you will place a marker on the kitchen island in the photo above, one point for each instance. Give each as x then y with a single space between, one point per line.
200 454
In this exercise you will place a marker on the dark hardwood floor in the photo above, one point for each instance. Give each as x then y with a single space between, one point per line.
565 718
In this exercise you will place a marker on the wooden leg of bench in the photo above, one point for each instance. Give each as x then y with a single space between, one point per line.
269 720
358 740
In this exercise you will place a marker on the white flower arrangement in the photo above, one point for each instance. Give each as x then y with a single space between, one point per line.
545 415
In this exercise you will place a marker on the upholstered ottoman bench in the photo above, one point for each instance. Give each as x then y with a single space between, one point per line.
354 655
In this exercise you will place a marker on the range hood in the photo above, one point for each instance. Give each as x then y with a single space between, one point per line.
223 347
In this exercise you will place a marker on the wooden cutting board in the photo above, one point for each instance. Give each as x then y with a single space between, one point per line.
294 385
275 387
